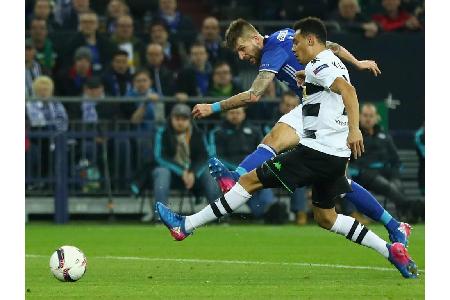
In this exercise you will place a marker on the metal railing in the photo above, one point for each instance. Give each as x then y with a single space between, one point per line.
97 159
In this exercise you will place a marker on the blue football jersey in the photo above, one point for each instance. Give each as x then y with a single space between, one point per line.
277 57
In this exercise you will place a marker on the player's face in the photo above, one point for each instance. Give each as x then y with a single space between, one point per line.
300 47
248 50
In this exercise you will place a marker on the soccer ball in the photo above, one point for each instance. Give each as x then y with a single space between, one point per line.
68 263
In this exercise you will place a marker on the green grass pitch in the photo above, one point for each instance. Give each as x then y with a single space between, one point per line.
135 261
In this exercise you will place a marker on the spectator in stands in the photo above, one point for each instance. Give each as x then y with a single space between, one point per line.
95 109
265 110
142 88
43 113
231 142
46 115
420 148
88 36
351 19
32 67
180 26
180 155
42 10
163 78
45 52
194 79
211 38
93 91
159 34
117 79
378 170
124 39
395 19
222 84
71 81
289 100
67 13
114 10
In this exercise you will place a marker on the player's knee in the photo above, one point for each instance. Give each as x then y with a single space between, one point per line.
271 141
281 137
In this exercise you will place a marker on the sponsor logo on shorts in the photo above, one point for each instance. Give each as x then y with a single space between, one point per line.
277 165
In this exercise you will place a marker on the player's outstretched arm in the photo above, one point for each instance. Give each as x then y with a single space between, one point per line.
348 93
345 55
259 85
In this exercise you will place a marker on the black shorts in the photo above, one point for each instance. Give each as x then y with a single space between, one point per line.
304 166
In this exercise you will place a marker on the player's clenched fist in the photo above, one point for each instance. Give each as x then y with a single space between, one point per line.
201 111
355 142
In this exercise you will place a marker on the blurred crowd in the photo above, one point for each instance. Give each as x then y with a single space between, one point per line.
182 50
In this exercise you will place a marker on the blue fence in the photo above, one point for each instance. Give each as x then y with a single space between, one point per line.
87 161
99 159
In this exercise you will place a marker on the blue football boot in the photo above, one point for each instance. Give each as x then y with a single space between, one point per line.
173 221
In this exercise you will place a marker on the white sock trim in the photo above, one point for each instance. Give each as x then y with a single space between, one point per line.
268 148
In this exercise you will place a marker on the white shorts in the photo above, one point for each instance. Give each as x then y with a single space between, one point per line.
294 118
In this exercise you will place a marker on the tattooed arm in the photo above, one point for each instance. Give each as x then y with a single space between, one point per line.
345 55
257 89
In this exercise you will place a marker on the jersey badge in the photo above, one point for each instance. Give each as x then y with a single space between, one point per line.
320 68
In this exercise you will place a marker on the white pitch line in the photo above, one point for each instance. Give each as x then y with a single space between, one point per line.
236 262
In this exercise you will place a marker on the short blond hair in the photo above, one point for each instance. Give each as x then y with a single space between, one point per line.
43 81
239 28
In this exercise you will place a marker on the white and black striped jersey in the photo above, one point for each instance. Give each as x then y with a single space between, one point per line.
325 120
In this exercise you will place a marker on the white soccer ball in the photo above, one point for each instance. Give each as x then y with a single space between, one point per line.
68 263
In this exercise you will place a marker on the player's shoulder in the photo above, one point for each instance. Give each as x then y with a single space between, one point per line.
279 37
321 62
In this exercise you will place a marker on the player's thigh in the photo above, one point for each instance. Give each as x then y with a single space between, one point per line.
281 137
287 131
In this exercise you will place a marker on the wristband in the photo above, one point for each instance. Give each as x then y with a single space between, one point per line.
216 107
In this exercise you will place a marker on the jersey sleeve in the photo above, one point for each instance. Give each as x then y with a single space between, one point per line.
323 74
273 59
